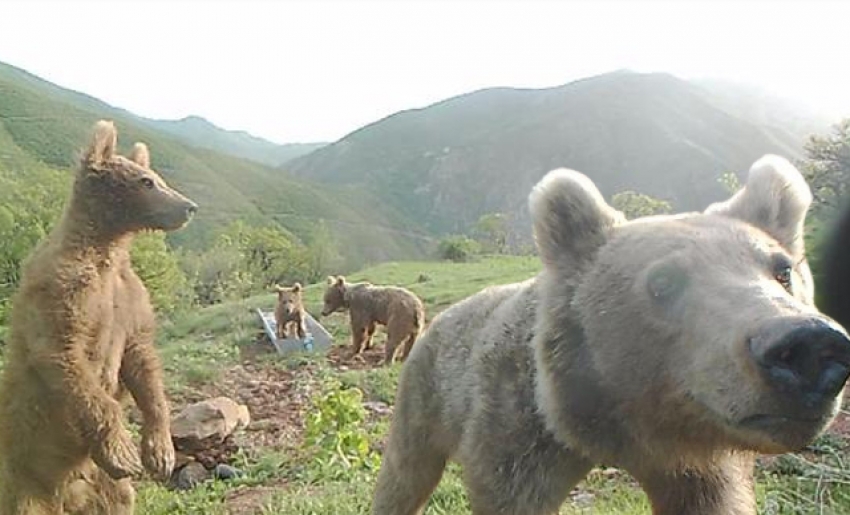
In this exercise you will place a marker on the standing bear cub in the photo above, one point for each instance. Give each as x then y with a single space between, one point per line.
398 309
289 311
82 335
675 347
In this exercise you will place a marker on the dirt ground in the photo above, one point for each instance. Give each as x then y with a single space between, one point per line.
278 399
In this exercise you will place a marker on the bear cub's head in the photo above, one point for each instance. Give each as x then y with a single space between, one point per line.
334 299
289 301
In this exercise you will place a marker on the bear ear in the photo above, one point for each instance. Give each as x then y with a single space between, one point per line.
331 280
102 146
340 281
296 287
140 155
571 218
775 199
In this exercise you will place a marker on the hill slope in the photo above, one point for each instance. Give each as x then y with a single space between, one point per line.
481 152
41 122
198 132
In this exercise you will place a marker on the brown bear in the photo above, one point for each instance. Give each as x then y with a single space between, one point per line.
399 309
289 311
81 337
675 347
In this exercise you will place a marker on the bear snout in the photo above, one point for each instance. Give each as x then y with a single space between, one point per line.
807 360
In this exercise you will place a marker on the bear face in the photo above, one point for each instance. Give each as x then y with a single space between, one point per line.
334 298
139 198
289 300
289 311
692 333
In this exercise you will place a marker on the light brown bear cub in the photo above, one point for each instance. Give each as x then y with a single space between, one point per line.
289 311
399 309
82 331
675 347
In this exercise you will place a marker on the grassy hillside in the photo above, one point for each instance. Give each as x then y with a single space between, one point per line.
451 162
43 125
215 351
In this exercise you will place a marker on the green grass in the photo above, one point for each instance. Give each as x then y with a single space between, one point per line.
198 346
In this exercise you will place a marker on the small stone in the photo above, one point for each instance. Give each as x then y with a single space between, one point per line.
378 407
189 476
610 472
224 472
583 498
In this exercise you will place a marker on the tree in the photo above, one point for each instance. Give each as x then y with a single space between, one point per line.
636 205
458 248
730 182
159 269
245 259
491 231
30 203
323 256
827 165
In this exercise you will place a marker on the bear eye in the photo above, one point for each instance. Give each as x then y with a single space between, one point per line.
666 282
783 276
147 182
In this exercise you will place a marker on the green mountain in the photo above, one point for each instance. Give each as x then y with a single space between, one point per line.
198 132
43 126
451 162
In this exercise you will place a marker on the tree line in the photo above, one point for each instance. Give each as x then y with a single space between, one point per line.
244 259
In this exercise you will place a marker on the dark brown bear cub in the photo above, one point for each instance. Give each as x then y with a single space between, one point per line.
398 309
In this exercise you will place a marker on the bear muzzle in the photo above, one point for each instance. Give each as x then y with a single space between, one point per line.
180 214
805 360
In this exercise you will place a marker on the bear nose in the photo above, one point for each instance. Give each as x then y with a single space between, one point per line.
809 358
192 209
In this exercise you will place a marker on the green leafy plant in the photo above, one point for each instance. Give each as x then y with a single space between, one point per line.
336 435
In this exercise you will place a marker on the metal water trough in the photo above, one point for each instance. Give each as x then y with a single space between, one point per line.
318 339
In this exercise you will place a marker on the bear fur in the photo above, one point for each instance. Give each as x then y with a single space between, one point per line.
835 284
81 337
399 309
656 345
289 311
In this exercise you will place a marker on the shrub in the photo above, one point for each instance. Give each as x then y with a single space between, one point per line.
458 248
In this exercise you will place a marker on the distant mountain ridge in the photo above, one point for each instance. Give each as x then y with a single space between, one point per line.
451 162
44 124
199 132
388 189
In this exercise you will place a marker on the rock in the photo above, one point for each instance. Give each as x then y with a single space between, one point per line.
208 423
225 472
181 459
189 476
379 408
583 498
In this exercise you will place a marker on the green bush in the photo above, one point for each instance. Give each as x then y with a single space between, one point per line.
159 269
336 437
458 249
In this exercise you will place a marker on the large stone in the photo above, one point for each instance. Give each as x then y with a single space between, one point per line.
207 423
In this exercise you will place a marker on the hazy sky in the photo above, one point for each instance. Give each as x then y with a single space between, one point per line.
316 70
